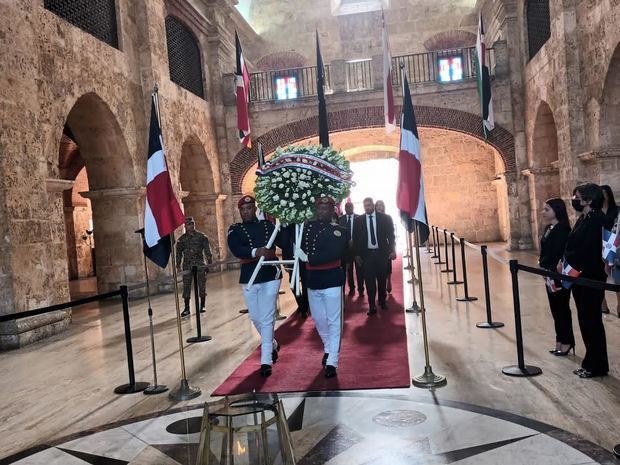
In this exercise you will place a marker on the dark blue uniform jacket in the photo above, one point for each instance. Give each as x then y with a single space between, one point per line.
326 245
242 238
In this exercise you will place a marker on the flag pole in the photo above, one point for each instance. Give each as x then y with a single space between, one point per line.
415 308
428 379
184 391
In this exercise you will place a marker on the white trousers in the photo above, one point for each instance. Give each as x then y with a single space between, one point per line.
326 309
261 302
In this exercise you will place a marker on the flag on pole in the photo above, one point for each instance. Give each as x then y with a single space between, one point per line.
410 190
484 81
320 87
568 271
162 213
242 91
611 242
388 90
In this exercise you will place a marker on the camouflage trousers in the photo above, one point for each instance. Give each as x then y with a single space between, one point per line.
187 282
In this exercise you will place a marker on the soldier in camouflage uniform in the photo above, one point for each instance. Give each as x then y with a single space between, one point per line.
192 249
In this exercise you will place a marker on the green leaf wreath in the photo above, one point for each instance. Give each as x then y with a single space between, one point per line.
288 192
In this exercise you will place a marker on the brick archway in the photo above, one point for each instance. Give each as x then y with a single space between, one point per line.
371 117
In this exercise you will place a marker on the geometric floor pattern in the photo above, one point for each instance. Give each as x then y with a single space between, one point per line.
343 428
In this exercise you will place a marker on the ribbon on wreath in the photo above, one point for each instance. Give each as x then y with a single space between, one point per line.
309 162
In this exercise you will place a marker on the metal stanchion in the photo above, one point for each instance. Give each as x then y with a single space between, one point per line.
428 379
445 247
132 386
198 337
487 292
454 278
415 308
521 369
433 230
467 297
438 262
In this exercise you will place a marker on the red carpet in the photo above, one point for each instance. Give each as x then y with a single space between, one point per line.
373 352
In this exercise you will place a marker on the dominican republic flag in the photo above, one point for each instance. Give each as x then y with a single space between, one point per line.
320 88
611 242
388 90
568 271
484 81
162 213
410 190
242 91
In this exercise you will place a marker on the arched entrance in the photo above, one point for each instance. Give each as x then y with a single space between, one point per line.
198 187
78 219
463 185
543 172
609 126
103 198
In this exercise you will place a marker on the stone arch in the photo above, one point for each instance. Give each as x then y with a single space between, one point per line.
609 125
93 128
281 60
450 39
371 117
200 198
543 166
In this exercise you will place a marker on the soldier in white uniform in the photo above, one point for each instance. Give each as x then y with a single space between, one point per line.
247 241
325 245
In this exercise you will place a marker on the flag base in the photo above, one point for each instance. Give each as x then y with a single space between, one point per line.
454 282
466 299
429 379
243 311
528 370
158 389
184 392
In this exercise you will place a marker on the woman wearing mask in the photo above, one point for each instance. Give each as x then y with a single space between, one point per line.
552 246
583 253
610 210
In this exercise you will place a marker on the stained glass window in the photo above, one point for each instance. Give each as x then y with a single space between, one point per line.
450 68
286 88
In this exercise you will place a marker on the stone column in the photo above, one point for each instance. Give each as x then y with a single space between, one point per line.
117 215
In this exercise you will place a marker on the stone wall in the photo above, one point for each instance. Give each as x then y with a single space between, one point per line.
290 27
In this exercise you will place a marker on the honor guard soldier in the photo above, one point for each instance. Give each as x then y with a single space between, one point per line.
325 245
192 250
247 241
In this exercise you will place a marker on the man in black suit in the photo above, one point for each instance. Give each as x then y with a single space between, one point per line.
346 221
373 245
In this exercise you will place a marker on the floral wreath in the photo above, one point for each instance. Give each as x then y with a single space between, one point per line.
289 183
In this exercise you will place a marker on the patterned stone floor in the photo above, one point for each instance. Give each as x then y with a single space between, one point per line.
352 428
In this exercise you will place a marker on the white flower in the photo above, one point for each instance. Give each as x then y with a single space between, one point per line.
291 204
282 202
281 186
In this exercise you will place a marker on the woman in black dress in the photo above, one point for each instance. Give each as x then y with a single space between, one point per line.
552 246
583 253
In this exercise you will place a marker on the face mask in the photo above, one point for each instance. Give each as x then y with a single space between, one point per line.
576 203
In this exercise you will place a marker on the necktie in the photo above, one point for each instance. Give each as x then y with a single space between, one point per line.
349 221
373 239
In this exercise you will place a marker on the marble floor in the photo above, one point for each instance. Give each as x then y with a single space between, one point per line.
63 386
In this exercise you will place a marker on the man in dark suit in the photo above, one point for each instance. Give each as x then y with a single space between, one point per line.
346 221
373 245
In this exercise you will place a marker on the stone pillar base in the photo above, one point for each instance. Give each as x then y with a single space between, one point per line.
19 333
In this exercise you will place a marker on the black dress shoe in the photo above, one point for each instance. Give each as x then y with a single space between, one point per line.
371 311
184 313
383 305
324 361
578 371
351 292
361 294
265 371
330 371
202 310
589 374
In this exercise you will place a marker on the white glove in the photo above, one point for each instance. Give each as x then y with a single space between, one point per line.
300 254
